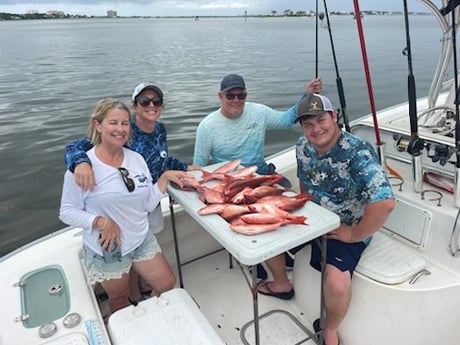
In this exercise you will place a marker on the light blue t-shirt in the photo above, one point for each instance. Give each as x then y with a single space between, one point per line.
220 139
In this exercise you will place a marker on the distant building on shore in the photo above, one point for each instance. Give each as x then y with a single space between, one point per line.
55 14
112 14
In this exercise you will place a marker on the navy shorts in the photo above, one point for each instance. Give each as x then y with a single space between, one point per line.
344 256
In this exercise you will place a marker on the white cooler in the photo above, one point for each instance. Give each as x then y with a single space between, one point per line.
172 318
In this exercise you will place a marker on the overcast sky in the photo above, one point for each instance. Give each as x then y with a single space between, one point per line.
196 7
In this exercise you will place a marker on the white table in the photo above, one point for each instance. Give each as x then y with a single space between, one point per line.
251 250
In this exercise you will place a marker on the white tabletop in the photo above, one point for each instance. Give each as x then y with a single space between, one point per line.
250 250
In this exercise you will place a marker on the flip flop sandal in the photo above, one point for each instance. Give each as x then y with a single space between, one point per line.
282 295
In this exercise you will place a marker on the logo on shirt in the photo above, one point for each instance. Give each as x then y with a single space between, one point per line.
142 181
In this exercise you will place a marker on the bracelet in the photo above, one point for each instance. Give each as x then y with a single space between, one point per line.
96 220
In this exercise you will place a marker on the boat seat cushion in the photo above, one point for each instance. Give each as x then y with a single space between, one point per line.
389 262
172 318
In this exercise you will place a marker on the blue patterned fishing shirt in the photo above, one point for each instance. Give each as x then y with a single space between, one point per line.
152 146
345 179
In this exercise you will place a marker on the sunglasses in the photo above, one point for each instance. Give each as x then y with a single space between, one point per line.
231 96
129 183
145 101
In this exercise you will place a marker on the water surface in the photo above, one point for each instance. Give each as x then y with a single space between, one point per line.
53 72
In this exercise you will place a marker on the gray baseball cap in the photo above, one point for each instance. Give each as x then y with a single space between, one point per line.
313 104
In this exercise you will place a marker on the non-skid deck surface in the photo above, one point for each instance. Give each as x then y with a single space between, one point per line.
223 296
277 327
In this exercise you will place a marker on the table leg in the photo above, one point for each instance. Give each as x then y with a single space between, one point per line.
176 244
255 304
322 315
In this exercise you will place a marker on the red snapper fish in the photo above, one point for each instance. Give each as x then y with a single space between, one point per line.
210 196
260 218
237 174
287 203
209 176
189 182
262 191
219 173
231 211
240 197
227 167
242 172
276 211
234 187
212 209
240 226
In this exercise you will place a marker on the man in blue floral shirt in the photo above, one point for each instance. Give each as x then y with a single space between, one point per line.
343 173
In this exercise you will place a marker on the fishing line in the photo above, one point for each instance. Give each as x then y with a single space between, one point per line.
338 79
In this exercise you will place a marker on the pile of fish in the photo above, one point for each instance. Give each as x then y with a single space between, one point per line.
251 203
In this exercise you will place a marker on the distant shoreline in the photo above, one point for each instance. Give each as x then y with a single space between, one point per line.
61 15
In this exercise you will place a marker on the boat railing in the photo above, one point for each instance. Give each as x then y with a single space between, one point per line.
445 56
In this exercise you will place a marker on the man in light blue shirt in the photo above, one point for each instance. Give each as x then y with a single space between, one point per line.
237 129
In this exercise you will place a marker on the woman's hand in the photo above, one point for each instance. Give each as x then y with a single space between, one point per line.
110 233
175 176
192 167
84 176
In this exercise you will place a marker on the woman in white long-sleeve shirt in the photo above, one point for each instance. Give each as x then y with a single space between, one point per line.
114 214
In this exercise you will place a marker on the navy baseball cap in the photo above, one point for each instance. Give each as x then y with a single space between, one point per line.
232 81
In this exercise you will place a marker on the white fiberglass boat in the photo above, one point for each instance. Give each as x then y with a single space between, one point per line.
406 289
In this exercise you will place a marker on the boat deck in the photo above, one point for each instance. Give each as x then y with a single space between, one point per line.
224 297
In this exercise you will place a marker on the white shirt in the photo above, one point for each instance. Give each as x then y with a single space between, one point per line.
111 198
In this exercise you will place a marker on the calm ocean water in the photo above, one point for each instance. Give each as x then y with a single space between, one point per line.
53 72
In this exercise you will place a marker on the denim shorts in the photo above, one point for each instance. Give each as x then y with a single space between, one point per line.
344 256
97 270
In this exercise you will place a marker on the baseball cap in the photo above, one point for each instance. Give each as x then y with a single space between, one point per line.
146 85
313 104
232 81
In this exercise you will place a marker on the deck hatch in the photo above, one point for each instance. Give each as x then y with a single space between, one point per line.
44 296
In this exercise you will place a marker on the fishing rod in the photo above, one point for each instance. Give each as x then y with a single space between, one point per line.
416 144
338 79
451 6
316 42
457 117
380 148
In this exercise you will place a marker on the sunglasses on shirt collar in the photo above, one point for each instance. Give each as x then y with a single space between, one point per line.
129 183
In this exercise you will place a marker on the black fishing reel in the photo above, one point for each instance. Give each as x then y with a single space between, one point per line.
411 145
440 153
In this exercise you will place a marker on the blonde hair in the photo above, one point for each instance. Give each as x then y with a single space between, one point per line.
99 114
